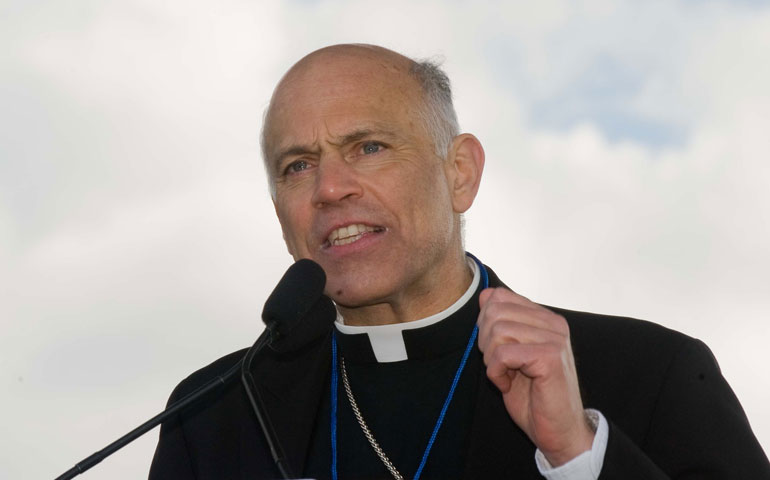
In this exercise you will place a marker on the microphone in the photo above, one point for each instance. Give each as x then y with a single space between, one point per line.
298 294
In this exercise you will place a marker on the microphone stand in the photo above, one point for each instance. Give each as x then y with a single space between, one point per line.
182 403
282 307
259 407
221 380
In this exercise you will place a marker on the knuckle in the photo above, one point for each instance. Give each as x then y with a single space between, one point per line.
484 344
495 354
498 329
496 292
493 310
556 322
487 359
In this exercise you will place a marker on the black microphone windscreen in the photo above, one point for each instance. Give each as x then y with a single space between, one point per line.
299 291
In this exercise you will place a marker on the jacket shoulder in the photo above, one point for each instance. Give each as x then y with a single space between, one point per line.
628 368
622 333
203 375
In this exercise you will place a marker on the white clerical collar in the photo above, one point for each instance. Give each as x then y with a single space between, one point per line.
388 342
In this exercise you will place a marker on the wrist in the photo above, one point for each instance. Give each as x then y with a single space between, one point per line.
582 441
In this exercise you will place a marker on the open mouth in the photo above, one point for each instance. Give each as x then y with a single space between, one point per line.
350 233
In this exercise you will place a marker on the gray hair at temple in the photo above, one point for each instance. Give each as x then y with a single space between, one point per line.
437 112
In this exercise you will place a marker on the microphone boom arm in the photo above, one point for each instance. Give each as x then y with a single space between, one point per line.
181 404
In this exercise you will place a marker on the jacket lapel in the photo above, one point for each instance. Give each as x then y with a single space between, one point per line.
497 448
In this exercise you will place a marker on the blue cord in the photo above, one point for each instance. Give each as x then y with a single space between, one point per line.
334 406
455 381
440 420
468 348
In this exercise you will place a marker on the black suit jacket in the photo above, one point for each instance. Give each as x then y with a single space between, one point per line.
671 413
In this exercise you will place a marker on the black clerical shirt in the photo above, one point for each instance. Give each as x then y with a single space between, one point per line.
401 402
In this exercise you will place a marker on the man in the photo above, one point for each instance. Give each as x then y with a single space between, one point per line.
369 177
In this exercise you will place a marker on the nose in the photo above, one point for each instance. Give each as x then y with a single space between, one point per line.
336 180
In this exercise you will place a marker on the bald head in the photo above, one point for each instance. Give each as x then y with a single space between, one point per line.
333 55
420 86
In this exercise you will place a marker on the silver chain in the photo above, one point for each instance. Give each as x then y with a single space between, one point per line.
368 433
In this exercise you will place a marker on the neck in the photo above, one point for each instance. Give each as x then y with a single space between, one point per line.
427 297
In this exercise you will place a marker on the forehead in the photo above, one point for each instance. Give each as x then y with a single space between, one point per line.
333 94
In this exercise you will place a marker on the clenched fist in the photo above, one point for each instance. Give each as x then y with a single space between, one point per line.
529 358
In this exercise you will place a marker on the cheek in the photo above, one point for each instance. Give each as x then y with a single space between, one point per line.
292 223
426 202
439 208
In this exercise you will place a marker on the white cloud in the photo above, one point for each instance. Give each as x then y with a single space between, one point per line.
134 223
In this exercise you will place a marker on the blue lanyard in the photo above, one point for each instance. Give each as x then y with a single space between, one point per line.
335 387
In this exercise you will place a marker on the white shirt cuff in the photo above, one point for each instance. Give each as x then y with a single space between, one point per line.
585 466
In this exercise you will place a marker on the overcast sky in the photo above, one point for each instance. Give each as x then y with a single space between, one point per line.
627 173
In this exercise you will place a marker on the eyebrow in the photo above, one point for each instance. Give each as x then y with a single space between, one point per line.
354 136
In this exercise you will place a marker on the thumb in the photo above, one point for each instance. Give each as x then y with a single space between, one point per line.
485 295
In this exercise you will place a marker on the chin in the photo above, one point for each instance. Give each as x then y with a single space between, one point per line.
352 294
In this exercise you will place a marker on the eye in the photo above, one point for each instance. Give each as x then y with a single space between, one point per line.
371 147
295 167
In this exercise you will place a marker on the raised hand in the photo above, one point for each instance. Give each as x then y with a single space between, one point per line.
529 358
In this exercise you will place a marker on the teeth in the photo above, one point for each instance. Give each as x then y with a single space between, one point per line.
349 234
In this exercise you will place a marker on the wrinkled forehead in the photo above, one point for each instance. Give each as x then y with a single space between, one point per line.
342 77
361 62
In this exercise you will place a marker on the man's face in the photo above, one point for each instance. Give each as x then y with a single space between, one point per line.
358 187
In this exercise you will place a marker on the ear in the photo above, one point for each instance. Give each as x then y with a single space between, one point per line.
464 166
